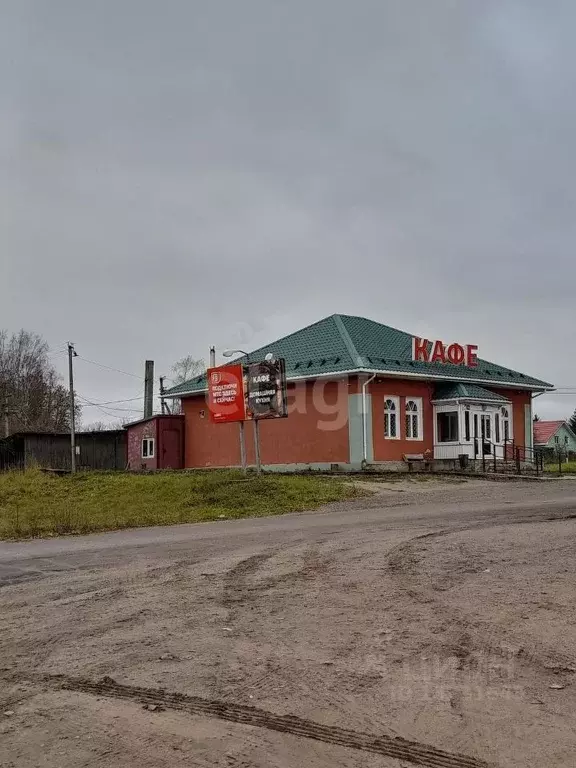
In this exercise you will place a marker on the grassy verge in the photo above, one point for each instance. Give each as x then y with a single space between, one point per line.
567 467
35 504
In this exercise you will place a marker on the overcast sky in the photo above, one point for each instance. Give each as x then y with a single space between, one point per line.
183 173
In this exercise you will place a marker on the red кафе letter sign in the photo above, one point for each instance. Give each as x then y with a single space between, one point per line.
226 399
425 351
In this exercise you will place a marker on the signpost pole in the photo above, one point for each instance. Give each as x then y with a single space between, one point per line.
242 446
257 446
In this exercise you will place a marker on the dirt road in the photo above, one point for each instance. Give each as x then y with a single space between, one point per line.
427 625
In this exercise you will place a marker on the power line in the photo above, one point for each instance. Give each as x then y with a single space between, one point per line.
99 405
112 402
110 368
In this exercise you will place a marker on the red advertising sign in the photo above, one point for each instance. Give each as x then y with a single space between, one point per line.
425 351
226 400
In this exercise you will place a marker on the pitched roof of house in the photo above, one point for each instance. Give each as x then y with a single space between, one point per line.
459 391
545 430
347 344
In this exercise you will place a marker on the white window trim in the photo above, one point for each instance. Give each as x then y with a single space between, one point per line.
510 420
396 400
151 446
418 402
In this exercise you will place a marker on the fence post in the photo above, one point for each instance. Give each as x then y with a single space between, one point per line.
559 462
494 451
518 465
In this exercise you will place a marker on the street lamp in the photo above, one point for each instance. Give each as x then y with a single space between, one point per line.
232 352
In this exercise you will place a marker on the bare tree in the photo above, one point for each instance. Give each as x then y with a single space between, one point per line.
183 370
103 426
30 388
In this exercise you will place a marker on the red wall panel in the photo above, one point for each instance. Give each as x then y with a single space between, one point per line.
316 430
392 450
135 436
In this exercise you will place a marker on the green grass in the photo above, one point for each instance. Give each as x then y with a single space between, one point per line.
566 467
34 504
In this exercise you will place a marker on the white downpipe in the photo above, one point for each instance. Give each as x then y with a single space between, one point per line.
364 423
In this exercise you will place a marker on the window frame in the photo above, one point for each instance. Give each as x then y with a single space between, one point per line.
445 414
507 424
150 448
410 414
396 412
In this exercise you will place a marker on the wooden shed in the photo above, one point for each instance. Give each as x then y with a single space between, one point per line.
51 450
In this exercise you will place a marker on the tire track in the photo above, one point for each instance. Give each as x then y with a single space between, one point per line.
489 638
398 748
235 588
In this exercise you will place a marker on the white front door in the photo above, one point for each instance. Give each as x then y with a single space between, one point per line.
486 433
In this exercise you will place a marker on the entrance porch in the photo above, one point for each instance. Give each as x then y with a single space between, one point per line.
471 420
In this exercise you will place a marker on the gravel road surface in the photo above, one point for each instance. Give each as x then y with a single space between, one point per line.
431 624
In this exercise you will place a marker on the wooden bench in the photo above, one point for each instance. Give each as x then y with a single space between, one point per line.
419 459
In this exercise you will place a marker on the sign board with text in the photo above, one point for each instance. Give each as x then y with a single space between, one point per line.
226 396
425 351
266 390
247 392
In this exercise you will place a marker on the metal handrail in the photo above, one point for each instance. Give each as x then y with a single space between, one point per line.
512 453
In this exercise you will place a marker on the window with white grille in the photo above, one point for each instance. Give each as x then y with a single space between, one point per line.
413 418
391 413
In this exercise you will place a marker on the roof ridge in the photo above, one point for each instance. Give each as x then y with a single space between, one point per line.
352 351
377 322
289 335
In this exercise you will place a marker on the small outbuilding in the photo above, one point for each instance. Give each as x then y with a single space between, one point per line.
156 442
102 450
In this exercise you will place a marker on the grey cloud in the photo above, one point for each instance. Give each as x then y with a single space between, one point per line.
179 174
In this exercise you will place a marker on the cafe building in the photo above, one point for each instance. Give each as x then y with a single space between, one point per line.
360 393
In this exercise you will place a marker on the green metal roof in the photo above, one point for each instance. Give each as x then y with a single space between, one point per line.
459 391
344 343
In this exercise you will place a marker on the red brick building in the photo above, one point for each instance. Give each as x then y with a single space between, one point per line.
156 443
360 392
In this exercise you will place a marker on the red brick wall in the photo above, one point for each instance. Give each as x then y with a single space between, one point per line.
135 437
518 400
393 450
313 432
319 433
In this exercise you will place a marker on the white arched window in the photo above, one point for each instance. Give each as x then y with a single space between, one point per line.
506 424
414 418
391 424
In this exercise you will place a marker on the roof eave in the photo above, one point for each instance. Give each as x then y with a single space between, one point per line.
464 399
541 387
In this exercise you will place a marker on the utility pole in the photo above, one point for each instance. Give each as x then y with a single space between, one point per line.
71 356
148 389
